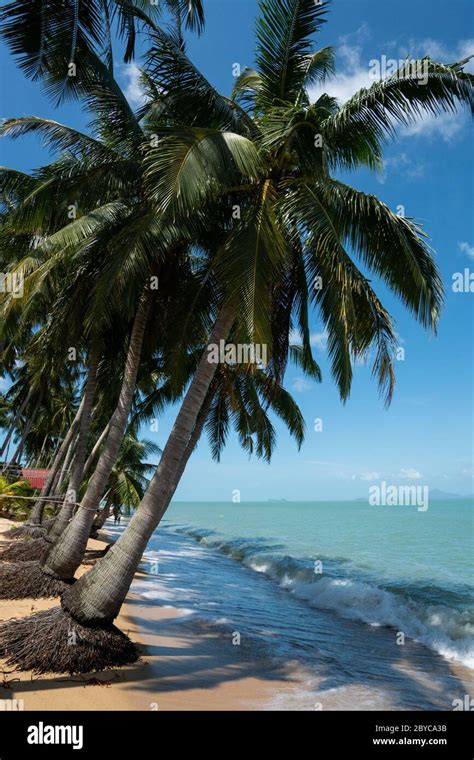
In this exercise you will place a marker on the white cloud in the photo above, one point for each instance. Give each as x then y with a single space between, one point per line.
132 89
370 476
354 73
447 126
319 340
438 51
344 86
300 385
409 473
404 165
340 471
295 337
464 247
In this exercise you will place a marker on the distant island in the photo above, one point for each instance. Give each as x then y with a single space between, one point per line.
437 495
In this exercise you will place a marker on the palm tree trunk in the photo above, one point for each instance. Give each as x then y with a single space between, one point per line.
99 520
66 555
92 456
197 432
37 511
12 427
80 452
40 455
27 429
7 439
16 456
65 469
96 598
52 458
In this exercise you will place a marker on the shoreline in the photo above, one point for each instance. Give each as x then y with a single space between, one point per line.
182 667
188 663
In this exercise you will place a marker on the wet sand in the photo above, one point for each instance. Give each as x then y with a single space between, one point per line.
183 667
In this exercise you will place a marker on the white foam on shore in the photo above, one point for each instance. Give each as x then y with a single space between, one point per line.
443 630
447 631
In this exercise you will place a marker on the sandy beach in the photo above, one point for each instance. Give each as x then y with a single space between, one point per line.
182 667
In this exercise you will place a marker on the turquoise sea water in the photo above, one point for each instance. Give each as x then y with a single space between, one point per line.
388 565
332 587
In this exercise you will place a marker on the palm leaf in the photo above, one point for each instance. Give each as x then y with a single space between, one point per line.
402 99
284 31
191 164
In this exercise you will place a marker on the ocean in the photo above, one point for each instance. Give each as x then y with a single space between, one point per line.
374 605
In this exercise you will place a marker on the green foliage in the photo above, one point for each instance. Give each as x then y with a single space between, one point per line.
223 199
10 496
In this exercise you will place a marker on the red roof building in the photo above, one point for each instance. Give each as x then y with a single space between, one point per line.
36 478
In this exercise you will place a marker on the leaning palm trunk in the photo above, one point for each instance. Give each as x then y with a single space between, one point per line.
14 424
57 487
66 555
80 451
92 603
33 527
93 455
66 545
39 460
101 517
18 453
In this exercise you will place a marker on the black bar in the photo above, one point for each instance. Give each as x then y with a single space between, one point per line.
107 735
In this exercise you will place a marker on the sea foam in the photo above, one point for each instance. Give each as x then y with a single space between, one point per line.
445 630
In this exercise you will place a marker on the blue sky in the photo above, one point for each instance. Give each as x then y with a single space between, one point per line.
426 435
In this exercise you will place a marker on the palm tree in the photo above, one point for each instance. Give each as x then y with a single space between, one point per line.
11 412
128 479
258 153
119 154
77 433
47 39
115 164
43 35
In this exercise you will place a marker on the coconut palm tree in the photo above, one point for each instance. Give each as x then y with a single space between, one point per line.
73 175
128 479
118 216
102 78
42 34
258 155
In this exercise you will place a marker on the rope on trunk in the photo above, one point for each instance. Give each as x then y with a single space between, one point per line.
53 499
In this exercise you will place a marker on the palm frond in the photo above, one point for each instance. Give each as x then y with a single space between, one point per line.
251 259
421 87
284 31
190 165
